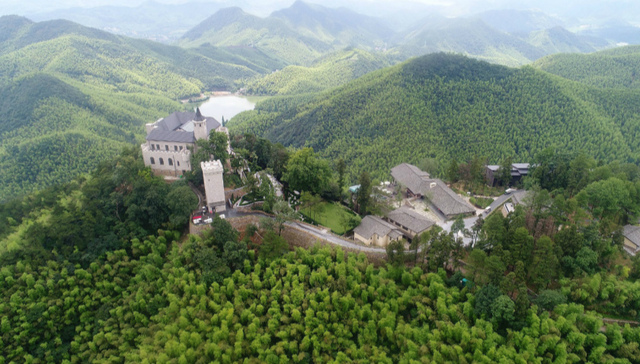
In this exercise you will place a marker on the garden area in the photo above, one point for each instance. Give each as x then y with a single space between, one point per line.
332 215
480 202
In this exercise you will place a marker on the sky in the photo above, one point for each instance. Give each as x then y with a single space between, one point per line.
628 9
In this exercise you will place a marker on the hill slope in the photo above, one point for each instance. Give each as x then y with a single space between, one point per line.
330 71
73 96
445 107
613 68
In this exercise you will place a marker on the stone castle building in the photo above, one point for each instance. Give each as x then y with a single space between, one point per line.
167 150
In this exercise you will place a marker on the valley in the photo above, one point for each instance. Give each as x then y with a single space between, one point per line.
295 181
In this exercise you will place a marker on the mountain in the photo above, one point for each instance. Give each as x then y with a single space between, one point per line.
518 21
150 20
334 25
560 40
297 35
74 96
448 106
470 37
330 71
612 68
615 31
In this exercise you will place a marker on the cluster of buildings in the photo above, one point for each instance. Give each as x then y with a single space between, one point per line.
169 144
405 222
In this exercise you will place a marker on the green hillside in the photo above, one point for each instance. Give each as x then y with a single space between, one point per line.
297 35
612 68
560 40
444 107
329 71
73 96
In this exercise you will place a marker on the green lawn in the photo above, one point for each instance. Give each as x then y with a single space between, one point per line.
333 216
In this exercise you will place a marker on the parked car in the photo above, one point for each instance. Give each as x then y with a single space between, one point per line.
197 220
488 209
509 190
208 220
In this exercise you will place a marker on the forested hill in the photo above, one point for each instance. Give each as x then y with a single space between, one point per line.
612 68
72 96
298 35
332 70
447 106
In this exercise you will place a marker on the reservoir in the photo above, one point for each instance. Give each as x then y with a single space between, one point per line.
226 106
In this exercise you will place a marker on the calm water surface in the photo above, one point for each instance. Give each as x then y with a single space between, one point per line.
227 106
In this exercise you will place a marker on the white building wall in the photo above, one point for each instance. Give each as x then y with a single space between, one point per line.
212 174
173 162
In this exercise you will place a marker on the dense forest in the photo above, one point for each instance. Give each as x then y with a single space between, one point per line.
332 70
613 68
448 107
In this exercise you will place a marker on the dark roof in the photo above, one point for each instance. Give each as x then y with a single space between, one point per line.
409 175
445 199
632 233
374 225
441 196
518 197
410 219
168 129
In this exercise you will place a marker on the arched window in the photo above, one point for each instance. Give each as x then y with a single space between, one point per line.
178 162
170 161
153 147
175 147
161 161
158 146
166 147
153 161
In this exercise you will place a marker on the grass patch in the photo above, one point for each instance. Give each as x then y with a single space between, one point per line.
332 215
480 202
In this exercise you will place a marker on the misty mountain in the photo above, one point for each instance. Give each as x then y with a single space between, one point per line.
471 37
617 31
560 40
152 20
518 21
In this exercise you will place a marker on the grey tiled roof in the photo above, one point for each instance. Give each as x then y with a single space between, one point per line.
410 219
167 129
518 197
410 176
632 233
441 196
445 199
374 225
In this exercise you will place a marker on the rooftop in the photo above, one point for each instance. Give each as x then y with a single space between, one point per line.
178 127
410 219
440 195
371 225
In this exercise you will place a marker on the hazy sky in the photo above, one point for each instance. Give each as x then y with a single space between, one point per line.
627 9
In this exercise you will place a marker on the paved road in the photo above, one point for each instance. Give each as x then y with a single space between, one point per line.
334 239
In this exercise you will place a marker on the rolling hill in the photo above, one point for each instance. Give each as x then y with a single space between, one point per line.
74 96
613 68
297 35
446 106
332 70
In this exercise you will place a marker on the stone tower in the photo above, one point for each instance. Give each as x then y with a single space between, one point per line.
212 172
200 126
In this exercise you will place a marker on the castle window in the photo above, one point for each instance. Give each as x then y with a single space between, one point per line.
161 161
152 147
178 162
170 161
175 147
166 147
153 161
158 146
181 147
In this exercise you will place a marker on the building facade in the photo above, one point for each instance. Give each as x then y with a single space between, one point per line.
212 174
170 141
